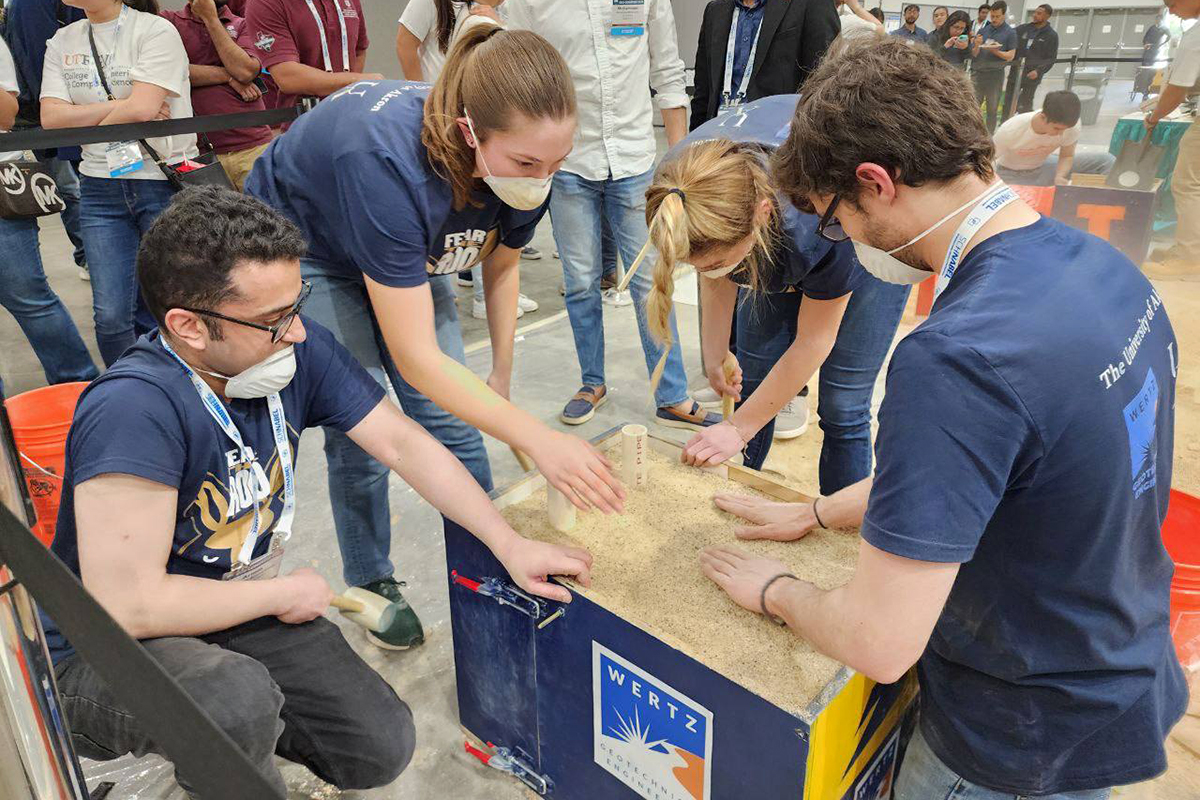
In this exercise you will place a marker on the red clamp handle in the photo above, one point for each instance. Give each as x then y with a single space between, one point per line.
482 755
467 582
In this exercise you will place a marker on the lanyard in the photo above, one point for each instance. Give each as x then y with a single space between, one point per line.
325 40
727 98
113 55
283 447
991 203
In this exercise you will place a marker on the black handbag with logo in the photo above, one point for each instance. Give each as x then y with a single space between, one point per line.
209 173
28 191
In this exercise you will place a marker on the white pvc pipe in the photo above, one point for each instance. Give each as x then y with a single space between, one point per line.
560 509
635 460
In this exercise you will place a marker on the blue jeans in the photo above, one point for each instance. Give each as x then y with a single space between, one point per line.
113 215
26 295
66 177
1088 161
766 327
923 776
358 484
577 208
609 250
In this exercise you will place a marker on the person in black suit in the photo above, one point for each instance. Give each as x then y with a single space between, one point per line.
787 38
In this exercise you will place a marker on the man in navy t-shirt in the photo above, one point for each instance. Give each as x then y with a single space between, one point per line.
993 48
1011 544
178 501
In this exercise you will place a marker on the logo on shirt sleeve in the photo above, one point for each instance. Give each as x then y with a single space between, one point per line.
264 42
1141 417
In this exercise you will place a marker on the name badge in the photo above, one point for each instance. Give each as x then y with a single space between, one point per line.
262 568
123 158
628 18
729 105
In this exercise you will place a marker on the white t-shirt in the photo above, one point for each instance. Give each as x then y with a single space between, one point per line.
148 49
854 25
8 83
1019 148
420 17
1185 69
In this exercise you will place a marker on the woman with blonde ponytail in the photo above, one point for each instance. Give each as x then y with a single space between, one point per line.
801 301
398 186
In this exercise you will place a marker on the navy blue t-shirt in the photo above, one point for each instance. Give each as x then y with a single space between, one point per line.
987 60
802 261
1026 433
144 417
916 36
353 174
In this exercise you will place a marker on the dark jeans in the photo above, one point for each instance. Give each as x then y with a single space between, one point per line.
113 215
297 691
988 84
1028 90
26 294
66 177
766 326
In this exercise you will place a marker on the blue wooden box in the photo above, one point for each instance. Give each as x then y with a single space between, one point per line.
580 704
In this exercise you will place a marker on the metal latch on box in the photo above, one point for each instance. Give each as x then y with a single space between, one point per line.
503 593
515 762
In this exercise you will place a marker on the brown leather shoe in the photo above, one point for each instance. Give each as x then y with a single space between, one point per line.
694 419
583 405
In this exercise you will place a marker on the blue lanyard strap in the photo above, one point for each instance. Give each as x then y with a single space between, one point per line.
987 207
283 447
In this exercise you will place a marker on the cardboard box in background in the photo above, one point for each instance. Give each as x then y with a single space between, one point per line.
1122 217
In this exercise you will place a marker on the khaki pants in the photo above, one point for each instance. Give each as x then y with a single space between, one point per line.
237 164
1185 185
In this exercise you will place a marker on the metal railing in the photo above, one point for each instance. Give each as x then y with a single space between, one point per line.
1016 78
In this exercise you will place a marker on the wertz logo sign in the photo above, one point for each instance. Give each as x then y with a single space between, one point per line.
654 739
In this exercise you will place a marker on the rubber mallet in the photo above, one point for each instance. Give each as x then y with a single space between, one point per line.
367 609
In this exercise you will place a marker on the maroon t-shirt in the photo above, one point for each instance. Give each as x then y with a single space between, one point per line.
219 98
286 30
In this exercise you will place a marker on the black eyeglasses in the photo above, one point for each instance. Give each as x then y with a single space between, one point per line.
829 228
279 329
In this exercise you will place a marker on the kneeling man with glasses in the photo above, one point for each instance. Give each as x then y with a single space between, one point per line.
179 498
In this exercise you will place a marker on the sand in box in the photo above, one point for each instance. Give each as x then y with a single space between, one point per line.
646 570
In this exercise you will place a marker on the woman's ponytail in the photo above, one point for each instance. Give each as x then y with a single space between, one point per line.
704 198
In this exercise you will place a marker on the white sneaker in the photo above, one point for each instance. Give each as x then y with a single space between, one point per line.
707 398
467 281
615 298
84 274
792 420
531 253
526 304
479 310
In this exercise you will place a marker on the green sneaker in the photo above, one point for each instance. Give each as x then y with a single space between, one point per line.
405 630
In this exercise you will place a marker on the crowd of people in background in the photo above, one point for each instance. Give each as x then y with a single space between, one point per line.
224 56
806 214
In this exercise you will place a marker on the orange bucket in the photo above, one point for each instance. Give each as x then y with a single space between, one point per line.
40 421
1181 536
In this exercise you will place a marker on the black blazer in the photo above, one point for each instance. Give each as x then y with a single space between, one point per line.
793 37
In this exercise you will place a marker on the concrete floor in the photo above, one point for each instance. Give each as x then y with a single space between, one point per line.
545 376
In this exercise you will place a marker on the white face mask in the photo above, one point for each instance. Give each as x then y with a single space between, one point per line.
523 194
266 377
886 267
718 273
